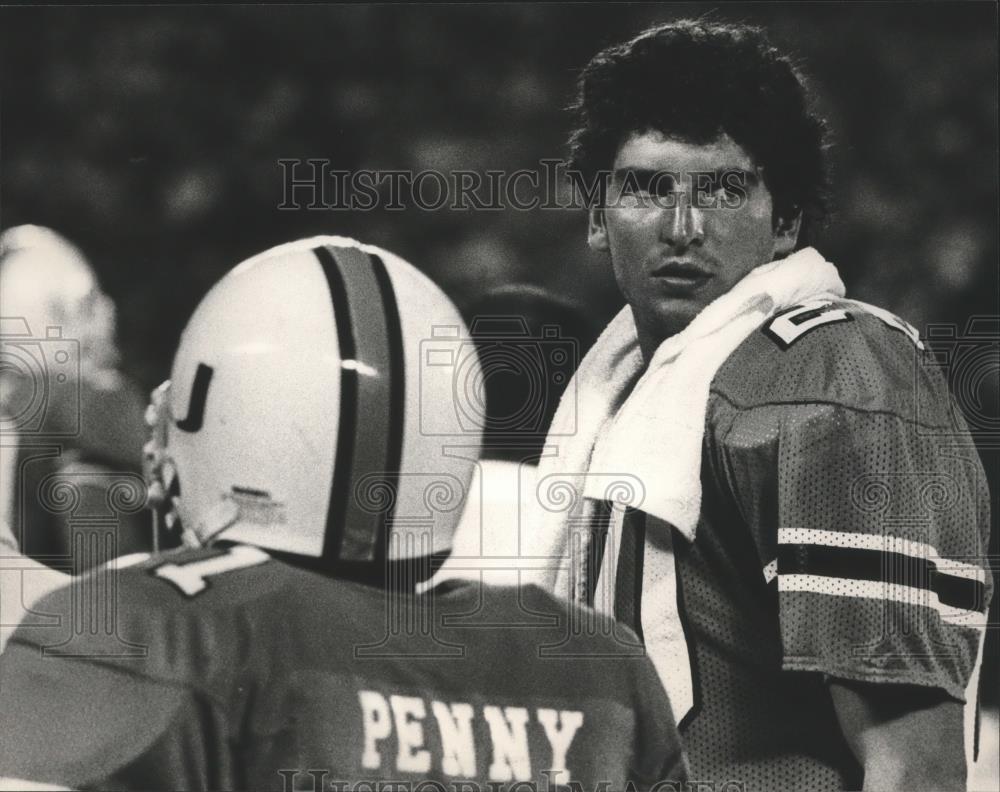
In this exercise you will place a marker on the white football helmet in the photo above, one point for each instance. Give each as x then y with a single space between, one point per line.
292 417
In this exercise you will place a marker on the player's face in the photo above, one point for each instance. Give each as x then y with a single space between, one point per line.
683 223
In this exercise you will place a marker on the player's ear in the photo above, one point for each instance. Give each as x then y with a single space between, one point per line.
597 233
786 234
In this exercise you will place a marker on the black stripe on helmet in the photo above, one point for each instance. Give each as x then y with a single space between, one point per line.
369 438
397 393
340 489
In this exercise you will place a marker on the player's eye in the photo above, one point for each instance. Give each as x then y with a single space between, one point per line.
728 186
736 184
733 183
706 186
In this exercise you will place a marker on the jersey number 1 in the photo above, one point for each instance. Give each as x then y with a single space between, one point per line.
190 578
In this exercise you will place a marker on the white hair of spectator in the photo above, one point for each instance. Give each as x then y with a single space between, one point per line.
46 281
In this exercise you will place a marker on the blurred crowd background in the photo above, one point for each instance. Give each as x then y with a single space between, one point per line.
150 136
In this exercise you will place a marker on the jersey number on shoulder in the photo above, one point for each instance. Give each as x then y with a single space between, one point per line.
788 327
190 577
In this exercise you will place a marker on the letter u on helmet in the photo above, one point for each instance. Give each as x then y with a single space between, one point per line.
292 419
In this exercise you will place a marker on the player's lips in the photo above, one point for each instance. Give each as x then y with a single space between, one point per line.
680 275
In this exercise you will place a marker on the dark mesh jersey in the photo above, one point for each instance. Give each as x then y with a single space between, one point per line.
845 516
227 669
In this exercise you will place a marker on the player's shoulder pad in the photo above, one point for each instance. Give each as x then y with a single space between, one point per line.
841 352
140 585
144 613
151 601
604 635
209 576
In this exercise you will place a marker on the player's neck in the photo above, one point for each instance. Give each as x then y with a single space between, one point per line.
650 341
401 576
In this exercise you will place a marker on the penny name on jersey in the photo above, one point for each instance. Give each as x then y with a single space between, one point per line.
510 759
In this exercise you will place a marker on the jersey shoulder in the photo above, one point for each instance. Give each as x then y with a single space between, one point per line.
582 631
837 352
552 648
207 577
186 580
159 616
554 620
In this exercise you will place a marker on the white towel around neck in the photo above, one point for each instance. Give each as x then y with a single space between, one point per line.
649 437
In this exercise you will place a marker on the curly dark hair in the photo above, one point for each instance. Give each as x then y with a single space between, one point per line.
696 80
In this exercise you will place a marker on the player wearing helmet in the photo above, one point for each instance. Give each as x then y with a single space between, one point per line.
71 421
287 650
70 424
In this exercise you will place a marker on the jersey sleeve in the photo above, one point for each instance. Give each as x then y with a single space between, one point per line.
659 754
868 505
99 721
879 557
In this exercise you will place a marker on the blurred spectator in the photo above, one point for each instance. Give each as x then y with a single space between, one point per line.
72 424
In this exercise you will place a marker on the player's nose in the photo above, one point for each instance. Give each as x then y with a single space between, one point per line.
682 223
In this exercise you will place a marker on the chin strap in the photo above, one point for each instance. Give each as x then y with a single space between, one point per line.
222 515
163 486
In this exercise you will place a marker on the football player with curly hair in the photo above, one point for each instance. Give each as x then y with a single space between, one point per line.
803 552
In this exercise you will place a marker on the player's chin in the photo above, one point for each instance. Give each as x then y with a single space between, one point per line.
674 312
